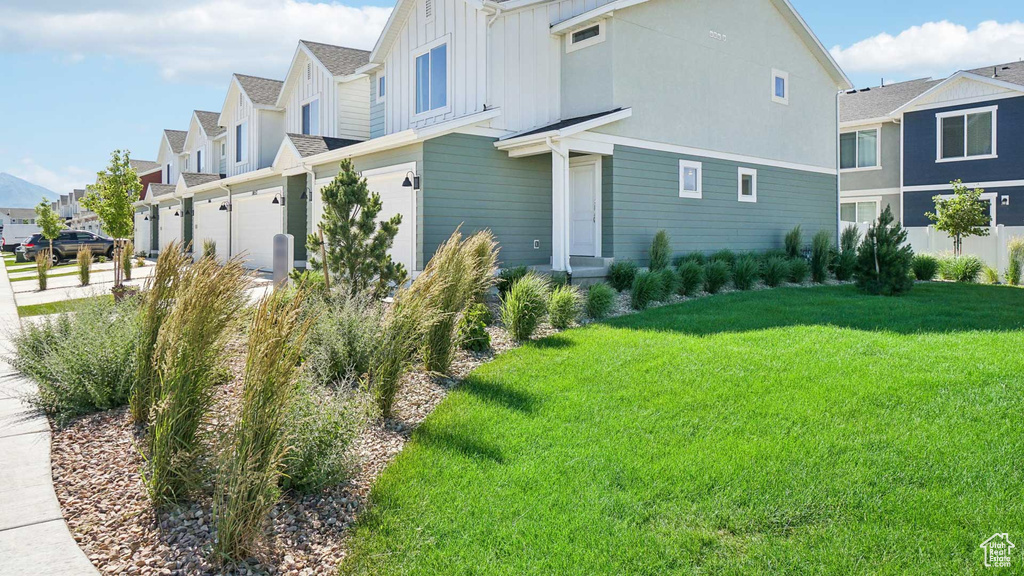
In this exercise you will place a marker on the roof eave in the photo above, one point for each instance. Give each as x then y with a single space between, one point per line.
954 78
514 141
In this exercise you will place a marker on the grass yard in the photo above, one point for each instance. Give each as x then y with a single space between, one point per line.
57 307
36 277
786 431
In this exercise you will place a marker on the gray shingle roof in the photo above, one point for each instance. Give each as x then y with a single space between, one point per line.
208 120
160 189
881 100
141 166
29 213
567 123
312 145
176 138
262 91
195 179
79 193
339 60
1012 72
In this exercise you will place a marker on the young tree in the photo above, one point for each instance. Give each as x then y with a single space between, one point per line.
355 245
884 258
50 223
962 216
112 197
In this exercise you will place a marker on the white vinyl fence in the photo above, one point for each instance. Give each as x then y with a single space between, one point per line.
991 248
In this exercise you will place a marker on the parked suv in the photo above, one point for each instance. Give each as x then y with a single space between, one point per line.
67 244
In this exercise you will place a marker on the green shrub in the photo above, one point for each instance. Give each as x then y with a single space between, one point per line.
1015 247
600 300
991 275
661 251
845 263
964 269
775 271
925 267
452 268
716 276
691 278
82 361
101 259
697 257
209 248
509 276
799 270
670 283
473 333
884 258
84 259
1013 272
746 272
483 255
402 331
647 288
342 338
249 475
321 428
564 307
849 239
821 256
42 268
794 243
726 256
621 274
524 306
126 259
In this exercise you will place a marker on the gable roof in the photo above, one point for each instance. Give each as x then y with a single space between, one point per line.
1012 72
339 60
208 122
160 189
308 146
19 212
881 101
563 124
141 167
262 91
195 179
176 140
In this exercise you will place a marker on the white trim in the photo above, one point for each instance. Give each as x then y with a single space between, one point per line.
849 125
972 185
942 85
420 51
939 117
596 162
514 140
965 101
693 194
876 200
690 151
308 102
584 19
404 168
869 193
784 99
992 198
878 149
741 172
571 46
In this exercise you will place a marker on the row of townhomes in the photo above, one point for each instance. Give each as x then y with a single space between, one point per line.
903 144
573 129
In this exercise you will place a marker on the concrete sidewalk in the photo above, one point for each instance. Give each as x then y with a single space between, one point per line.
33 536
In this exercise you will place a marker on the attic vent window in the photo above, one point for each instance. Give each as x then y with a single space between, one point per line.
585 34
593 34
428 9
309 70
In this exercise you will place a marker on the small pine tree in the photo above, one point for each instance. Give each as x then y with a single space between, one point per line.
661 251
962 216
884 258
356 245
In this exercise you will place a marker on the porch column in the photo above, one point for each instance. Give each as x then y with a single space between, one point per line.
559 208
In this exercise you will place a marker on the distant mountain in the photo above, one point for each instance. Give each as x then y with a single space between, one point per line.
17 193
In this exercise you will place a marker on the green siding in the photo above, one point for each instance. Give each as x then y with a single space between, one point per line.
154 231
187 227
295 213
645 199
468 182
607 215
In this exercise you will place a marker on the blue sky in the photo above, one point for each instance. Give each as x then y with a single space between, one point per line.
79 81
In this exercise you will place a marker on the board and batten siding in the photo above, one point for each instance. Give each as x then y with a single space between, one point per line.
264 133
344 106
377 127
469 183
645 199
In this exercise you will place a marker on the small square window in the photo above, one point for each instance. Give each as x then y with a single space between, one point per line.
747 185
780 87
690 176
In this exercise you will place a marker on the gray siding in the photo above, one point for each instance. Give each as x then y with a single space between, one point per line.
586 79
889 175
467 182
376 110
645 199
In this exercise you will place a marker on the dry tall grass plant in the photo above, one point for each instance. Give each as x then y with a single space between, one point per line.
84 265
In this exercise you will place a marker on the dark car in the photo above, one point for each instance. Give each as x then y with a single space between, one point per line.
66 245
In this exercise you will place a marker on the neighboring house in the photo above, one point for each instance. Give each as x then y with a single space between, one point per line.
205 147
16 224
902 145
171 155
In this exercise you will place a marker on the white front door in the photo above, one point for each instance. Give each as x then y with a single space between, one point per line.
585 203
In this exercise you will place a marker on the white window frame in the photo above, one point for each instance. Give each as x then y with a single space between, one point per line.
383 78
199 160
992 198
312 127
877 129
424 49
571 46
241 149
784 100
740 173
856 200
694 194
965 113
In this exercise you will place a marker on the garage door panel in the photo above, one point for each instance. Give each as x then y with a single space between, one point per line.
142 233
256 220
397 199
170 226
212 224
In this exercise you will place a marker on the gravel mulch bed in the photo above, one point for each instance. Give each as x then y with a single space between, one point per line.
97 467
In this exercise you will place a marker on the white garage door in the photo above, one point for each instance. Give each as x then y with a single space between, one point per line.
170 225
396 199
211 224
142 233
255 221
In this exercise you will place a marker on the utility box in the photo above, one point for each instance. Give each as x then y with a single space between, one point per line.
284 258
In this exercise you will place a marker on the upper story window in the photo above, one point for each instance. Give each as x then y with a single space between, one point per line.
311 118
167 174
747 185
432 79
199 160
966 134
859 149
579 39
382 87
690 185
223 150
780 87
241 142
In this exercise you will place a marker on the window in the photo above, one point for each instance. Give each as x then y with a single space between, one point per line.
432 79
966 134
167 174
241 142
690 185
311 118
780 87
860 212
747 185
860 149
223 150
988 200
580 39
382 86
199 160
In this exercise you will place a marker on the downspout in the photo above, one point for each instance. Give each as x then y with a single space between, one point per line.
839 174
230 235
565 210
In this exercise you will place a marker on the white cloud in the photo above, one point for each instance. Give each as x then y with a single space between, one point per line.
202 42
934 49
60 180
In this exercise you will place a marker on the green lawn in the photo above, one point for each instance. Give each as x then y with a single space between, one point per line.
57 307
36 277
787 431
